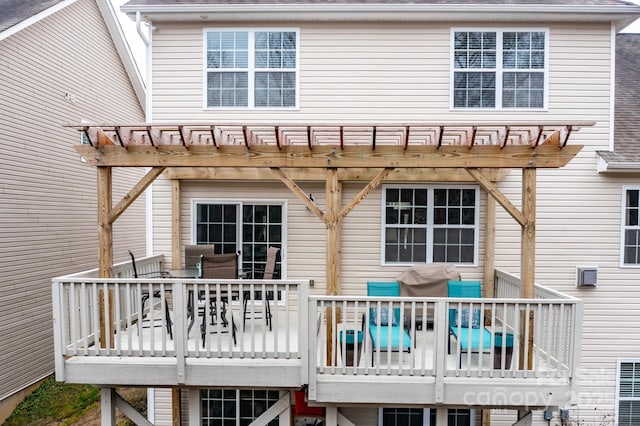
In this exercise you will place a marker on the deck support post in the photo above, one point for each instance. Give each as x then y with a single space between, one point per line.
333 247
107 406
176 407
331 418
528 262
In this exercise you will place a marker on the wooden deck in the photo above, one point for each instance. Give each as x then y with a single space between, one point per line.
295 350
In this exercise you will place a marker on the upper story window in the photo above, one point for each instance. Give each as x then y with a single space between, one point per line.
499 69
430 224
631 227
251 68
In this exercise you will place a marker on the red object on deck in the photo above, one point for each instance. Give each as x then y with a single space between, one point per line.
302 409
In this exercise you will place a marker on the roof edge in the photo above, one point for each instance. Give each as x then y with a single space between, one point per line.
606 166
384 8
124 50
34 19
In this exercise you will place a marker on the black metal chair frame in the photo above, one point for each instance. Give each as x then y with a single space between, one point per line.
146 296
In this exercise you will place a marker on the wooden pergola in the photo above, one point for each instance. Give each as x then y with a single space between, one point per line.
333 153
482 152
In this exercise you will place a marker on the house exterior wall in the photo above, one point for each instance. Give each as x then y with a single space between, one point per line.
48 223
392 72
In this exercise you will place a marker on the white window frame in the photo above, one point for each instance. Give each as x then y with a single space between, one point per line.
239 236
618 398
499 70
195 407
429 225
624 227
426 416
251 69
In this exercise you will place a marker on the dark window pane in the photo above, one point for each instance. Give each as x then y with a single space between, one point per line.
467 236
439 253
390 253
453 237
215 213
453 218
453 254
460 40
468 197
466 254
468 216
420 216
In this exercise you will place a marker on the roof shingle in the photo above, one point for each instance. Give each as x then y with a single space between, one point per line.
16 11
627 103
390 2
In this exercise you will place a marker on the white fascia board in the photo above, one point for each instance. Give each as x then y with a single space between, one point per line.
604 166
385 12
34 19
124 50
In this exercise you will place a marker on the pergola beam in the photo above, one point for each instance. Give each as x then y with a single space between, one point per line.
427 156
353 174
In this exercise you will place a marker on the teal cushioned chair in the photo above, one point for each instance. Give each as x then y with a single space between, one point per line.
386 328
471 335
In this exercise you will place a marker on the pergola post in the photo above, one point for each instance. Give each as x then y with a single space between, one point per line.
489 269
528 260
105 229
176 257
489 247
176 263
105 249
333 247
528 242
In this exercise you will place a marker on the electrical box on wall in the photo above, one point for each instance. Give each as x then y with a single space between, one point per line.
586 276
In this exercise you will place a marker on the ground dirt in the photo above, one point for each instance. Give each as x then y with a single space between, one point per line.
137 397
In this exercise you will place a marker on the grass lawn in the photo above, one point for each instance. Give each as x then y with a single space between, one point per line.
62 404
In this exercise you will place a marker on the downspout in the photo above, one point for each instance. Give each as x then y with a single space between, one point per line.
146 39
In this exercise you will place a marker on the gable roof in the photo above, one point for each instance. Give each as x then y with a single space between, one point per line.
626 153
15 12
618 11
18 15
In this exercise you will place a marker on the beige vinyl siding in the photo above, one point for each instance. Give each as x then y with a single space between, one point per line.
371 72
305 248
47 196
162 407
377 72
578 224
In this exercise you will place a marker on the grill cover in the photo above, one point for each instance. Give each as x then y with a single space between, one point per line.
427 280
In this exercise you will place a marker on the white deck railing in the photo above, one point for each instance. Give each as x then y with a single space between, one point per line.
183 318
539 337
207 319
550 331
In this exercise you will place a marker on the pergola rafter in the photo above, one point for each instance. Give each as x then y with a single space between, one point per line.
490 145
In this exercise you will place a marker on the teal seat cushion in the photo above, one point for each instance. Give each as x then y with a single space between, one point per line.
469 338
381 340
